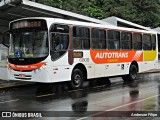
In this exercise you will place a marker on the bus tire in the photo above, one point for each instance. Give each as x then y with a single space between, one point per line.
76 79
133 72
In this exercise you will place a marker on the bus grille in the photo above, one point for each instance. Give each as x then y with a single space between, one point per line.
25 77
23 70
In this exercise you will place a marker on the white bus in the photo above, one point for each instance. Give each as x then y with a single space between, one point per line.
51 50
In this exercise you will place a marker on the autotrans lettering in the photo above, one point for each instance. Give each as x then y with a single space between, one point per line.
107 56
111 55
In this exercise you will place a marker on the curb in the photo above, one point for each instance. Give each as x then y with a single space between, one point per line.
152 71
12 84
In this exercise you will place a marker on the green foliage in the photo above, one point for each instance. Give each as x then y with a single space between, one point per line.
147 12
143 12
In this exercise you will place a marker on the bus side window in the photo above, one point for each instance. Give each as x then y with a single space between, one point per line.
59 40
126 40
98 38
81 37
113 39
95 38
137 41
153 40
77 42
147 45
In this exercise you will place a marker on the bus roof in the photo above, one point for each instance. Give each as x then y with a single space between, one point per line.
88 24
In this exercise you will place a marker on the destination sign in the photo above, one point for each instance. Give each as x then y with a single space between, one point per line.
28 24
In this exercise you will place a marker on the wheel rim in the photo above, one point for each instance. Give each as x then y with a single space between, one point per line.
134 73
77 80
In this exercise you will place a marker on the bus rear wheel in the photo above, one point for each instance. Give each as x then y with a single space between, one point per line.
133 72
76 79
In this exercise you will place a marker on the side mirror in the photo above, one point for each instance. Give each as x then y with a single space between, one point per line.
6 37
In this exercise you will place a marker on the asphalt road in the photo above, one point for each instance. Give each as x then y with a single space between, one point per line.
96 101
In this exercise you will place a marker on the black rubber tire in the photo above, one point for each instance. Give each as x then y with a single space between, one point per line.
133 72
76 79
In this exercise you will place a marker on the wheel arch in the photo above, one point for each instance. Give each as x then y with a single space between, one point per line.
81 67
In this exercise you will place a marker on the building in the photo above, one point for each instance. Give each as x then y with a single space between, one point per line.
16 9
124 23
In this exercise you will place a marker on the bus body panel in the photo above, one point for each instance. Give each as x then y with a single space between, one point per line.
41 74
86 61
146 66
60 69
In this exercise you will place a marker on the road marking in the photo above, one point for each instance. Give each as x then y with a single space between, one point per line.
119 107
99 86
45 95
9 101
75 90
8 86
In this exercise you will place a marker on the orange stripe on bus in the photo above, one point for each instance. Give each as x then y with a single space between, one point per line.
26 67
113 56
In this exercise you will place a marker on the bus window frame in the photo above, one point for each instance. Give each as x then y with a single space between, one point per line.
144 41
115 30
100 29
50 41
153 42
130 41
133 41
82 48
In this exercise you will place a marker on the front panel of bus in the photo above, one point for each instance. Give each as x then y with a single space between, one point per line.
28 51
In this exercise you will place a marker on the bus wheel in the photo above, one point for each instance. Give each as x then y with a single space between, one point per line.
132 74
76 79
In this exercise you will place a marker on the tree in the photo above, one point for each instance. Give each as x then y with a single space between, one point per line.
91 8
147 12
143 12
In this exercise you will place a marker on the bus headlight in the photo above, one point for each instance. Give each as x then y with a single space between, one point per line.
40 68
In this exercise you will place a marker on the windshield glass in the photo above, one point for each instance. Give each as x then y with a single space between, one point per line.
28 44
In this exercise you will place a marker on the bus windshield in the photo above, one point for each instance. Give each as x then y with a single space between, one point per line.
28 44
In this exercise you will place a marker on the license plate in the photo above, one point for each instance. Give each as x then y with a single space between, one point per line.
22 75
